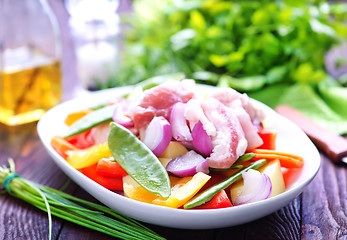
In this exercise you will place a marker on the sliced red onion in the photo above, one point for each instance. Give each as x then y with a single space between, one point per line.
120 117
180 129
201 141
256 186
157 136
188 164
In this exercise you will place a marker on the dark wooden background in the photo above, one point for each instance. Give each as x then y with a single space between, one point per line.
318 213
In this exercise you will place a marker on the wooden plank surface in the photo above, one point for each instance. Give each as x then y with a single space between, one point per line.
318 213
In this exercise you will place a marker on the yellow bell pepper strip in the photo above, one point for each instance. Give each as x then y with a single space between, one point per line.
134 191
82 158
187 187
73 117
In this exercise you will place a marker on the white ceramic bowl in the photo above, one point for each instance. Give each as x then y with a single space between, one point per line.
289 139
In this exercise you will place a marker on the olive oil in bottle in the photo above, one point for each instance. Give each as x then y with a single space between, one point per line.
30 61
28 89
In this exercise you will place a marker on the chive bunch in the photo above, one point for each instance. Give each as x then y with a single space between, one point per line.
70 208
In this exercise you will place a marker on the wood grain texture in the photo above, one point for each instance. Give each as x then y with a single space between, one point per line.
324 202
319 213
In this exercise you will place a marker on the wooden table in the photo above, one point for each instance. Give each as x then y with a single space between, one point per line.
318 213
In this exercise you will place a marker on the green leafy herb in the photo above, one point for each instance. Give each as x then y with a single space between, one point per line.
70 208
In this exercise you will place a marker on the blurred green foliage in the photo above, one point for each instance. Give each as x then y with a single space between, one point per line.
259 47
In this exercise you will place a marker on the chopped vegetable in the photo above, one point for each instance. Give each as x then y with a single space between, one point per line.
82 140
274 171
174 150
146 154
256 186
201 141
111 183
82 158
158 135
220 200
287 160
73 117
269 139
208 194
187 188
245 157
91 120
61 146
188 164
138 161
134 191
108 167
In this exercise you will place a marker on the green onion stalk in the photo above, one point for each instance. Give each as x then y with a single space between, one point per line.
70 208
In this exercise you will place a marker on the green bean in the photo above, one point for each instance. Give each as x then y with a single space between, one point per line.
138 161
243 158
91 120
209 193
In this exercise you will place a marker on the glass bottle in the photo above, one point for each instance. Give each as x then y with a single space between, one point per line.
30 61
94 26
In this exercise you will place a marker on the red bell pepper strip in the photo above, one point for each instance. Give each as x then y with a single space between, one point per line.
269 139
107 182
82 140
220 200
109 168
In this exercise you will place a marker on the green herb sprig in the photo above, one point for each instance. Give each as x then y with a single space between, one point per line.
70 208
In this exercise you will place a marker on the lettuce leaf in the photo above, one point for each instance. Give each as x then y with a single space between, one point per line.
303 97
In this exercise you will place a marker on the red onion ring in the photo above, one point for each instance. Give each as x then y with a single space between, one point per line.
257 186
188 165
201 141
180 129
158 135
